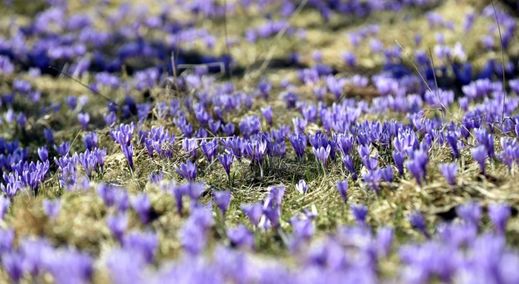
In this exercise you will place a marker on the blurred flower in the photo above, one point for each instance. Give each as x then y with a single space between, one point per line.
222 200
499 215
449 172
359 212
226 160
240 236
342 187
417 221
51 208
479 154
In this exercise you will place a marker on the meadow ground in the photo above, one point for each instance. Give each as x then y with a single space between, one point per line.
360 85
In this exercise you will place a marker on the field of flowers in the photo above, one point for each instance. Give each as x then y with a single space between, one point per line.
259 141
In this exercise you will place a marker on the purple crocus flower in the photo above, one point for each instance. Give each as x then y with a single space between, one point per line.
6 67
193 233
479 154
372 178
35 252
117 224
470 213
499 215
178 193
241 236
349 59
24 175
386 174
63 149
322 154
301 186
418 165
347 161
110 118
187 170
299 143
510 153
360 212
345 143
122 135
253 211
290 99
222 200
303 230
5 203
272 205
107 193
193 190
214 126
255 150
12 262
156 177
449 172
267 114
92 160
48 135
250 125
190 146
125 266
209 148
453 141
398 159
51 208
142 205
70 266
71 102
90 140
84 119
228 129
264 88
384 240
417 221
144 243
226 160
486 139
342 187
6 240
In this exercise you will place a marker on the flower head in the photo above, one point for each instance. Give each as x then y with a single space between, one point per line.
449 172
360 212
417 221
499 215
480 155
226 160
322 154
241 236
187 170
342 187
222 200
301 186
142 205
51 208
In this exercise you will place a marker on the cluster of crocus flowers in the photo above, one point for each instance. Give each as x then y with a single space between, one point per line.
279 143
